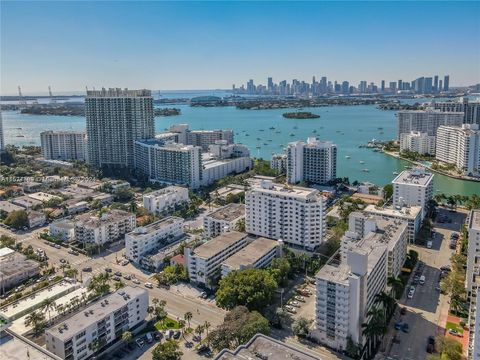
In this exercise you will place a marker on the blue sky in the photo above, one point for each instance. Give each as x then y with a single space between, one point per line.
205 45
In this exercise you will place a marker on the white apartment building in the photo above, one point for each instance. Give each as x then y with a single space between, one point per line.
64 145
107 228
256 255
202 138
412 215
345 292
473 255
165 199
314 161
116 118
104 322
460 146
425 121
62 229
278 162
215 169
413 188
419 142
15 269
169 163
2 138
474 324
364 227
471 109
150 238
223 219
294 214
222 149
204 262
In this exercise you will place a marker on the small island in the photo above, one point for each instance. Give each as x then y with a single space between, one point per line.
300 115
167 112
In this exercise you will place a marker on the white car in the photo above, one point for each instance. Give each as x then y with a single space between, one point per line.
411 293
290 309
149 285
300 298
429 244
135 281
294 303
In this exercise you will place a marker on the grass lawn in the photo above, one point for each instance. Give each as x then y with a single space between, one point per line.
454 326
167 324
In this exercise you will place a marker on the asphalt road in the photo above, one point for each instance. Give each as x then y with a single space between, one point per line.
426 307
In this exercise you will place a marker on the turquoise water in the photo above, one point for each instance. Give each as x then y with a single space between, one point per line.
347 126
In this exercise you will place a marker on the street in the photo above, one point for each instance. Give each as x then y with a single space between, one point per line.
428 307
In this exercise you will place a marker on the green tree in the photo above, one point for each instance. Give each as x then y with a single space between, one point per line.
127 337
7 241
48 305
17 219
168 350
281 269
301 327
449 348
387 191
253 288
240 225
188 316
37 320
396 286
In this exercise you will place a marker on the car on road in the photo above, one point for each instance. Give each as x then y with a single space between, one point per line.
429 244
421 281
203 295
403 311
300 298
56 246
87 269
135 281
116 278
149 337
411 292
125 262
398 325
294 303
405 328
158 335
108 270
63 261
445 268
149 285
140 343
118 273
177 334
168 334
127 277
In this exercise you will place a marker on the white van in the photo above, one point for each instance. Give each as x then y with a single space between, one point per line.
421 281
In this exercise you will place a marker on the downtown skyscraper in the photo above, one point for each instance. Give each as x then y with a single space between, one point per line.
116 118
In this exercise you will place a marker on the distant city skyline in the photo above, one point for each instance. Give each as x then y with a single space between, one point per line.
212 45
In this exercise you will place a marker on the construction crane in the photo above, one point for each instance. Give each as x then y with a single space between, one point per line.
21 99
52 100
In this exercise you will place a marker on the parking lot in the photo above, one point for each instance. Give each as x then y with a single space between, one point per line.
427 307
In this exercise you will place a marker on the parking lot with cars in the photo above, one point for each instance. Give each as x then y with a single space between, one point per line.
423 307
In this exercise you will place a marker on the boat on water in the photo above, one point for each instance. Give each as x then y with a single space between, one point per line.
278 132
258 139
295 127
314 131
261 130
270 140
258 147
381 132
247 134
347 156
362 162
272 128
265 144
292 134
366 170
395 173
380 128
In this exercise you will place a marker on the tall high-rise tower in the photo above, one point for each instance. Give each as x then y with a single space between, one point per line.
115 119
2 140
446 83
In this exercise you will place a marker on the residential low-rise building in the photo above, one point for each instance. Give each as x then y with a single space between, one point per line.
418 142
103 322
7 207
223 219
15 268
44 197
412 215
153 237
293 214
107 228
26 202
75 206
36 218
259 253
165 199
62 229
217 168
204 262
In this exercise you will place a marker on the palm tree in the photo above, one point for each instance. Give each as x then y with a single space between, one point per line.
37 320
181 323
188 316
206 325
48 305
127 337
199 331
388 303
119 285
396 286
155 301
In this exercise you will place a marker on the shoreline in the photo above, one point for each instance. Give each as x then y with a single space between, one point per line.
459 177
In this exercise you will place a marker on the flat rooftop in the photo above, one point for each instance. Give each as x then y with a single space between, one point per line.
157 225
90 220
410 212
417 177
269 348
15 263
41 196
218 244
228 212
96 312
268 186
6 251
474 220
26 201
9 207
64 224
250 254
14 348
334 273
165 191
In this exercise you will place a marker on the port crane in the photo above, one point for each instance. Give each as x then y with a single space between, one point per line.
21 99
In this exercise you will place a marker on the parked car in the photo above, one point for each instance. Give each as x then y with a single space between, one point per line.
403 311
294 303
108 270
87 269
177 335
430 344
300 298
56 246
454 333
411 293
429 244
290 309
405 328
124 262
149 337
116 278
135 281
140 343
149 285
127 277
63 261
398 325
118 273
445 268
158 335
